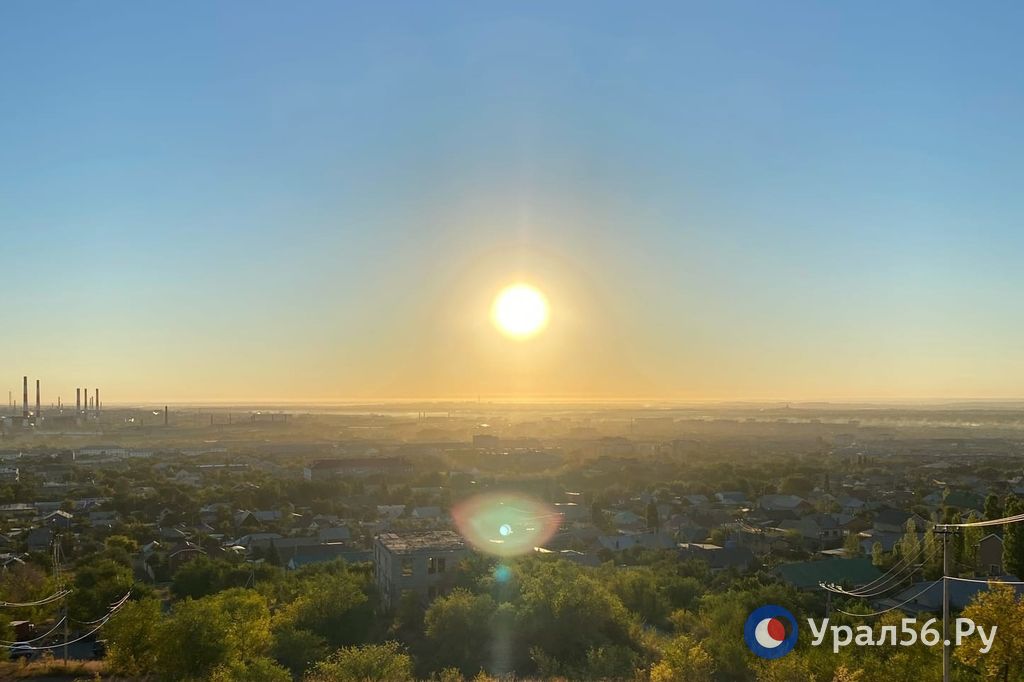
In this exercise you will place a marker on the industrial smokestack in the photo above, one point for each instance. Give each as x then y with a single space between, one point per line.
38 406
97 401
78 401
24 397
165 415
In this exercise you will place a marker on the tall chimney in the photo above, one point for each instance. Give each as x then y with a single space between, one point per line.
97 401
38 408
78 401
165 415
24 397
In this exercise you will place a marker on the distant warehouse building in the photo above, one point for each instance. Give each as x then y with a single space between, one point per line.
419 562
324 469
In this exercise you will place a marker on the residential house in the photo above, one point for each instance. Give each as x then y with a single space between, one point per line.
809 575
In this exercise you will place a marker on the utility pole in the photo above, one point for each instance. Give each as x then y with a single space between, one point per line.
946 642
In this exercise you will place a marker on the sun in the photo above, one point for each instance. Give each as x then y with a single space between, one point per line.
520 311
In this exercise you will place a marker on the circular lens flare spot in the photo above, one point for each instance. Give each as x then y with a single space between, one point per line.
505 524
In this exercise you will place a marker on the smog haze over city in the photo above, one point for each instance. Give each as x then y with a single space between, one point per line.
511 341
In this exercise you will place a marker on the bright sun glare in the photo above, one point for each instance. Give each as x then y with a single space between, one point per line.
520 311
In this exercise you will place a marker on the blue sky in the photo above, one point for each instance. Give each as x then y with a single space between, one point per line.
318 200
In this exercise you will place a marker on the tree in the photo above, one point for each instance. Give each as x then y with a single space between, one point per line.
273 556
993 507
997 606
256 670
683 659
227 631
194 641
458 630
640 592
97 586
120 548
386 662
298 649
563 612
796 484
852 545
249 615
199 577
332 605
132 637
1013 539
877 554
931 556
909 545
972 536
653 520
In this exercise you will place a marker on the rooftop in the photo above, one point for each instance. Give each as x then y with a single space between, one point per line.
403 543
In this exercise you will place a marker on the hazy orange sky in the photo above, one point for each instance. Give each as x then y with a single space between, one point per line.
319 202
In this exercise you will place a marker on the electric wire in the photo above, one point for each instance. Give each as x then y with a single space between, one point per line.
891 583
1016 518
36 639
899 566
891 608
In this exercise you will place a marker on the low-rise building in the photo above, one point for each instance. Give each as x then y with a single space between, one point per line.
326 469
419 562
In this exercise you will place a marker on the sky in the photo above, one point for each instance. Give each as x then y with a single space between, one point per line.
318 201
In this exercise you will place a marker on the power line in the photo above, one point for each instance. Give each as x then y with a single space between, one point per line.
59 645
100 622
988 581
45 600
889 583
892 608
114 606
884 578
36 639
1016 518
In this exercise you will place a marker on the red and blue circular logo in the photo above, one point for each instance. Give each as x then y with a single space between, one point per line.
770 632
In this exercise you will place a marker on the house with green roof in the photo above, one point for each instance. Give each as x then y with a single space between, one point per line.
807 575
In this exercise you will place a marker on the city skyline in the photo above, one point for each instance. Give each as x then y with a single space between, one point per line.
321 203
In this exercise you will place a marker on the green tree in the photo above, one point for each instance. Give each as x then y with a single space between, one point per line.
194 641
386 662
334 606
231 629
999 607
852 545
993 507
877 554
932 555
132 637
910 545
563 612
298 649
682 658
273 556
458 630
96 587
256 670
199 577
1013 539
972 536
639 591
653 520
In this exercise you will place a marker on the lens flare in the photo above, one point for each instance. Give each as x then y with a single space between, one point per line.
505 524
